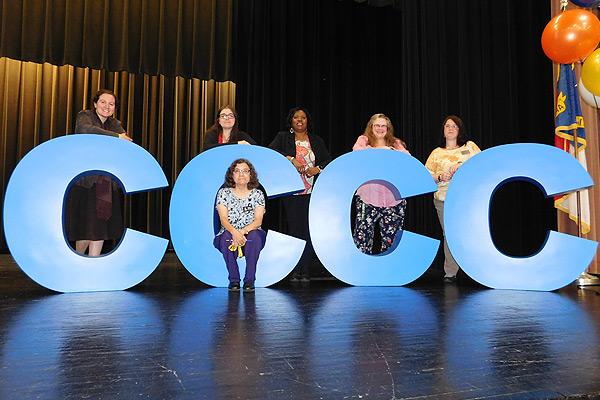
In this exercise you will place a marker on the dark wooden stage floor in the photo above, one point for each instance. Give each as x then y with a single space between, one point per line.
173 338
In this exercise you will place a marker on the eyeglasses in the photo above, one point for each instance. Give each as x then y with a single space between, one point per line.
379 126
451 126
241 171
227 116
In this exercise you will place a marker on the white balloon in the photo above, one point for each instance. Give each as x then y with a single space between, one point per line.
588 96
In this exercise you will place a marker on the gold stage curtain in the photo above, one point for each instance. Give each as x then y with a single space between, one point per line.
165 115
190 38
592 125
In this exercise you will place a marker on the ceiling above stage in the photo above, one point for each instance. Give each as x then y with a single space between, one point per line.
380 3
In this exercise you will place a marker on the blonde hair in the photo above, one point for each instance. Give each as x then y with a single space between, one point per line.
389 138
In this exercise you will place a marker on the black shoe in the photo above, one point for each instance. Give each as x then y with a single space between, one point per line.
295 278
450 279
248 287
234 287
305 279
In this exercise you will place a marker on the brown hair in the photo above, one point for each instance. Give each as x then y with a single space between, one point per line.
229 182
462 137
390 139
106 91
233 137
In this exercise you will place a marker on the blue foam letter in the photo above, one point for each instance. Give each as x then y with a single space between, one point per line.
329 218
192 212
466 218
33 214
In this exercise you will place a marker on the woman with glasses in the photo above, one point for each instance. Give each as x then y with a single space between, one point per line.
225 130
443 162
378 203
308 154
241 206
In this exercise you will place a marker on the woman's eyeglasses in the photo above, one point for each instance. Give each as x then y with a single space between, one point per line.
227 116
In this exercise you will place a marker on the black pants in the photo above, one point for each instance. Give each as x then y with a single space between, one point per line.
296 213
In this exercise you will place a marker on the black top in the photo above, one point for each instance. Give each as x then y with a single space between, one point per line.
88 121
211 139
285 143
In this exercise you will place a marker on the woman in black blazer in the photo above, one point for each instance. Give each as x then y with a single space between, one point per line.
307 152
225 130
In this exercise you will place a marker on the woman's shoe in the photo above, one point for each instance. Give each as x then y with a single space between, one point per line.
450 279
234 287
248 287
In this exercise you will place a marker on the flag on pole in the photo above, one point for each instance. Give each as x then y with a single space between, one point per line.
569 121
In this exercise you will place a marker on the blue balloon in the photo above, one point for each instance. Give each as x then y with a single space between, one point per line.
192 214
466 218
329 218
586 3
33 214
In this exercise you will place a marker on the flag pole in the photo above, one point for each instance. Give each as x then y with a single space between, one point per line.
584 279
578 192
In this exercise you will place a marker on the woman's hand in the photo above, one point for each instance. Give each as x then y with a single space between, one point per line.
454 168
445 176
125 136
299 167
312 171
238 238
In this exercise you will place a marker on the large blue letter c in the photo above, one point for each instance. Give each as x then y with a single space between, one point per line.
33 214
466 218
329 219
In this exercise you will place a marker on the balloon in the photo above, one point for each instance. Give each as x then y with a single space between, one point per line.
571 36
587 96
586 3
590 73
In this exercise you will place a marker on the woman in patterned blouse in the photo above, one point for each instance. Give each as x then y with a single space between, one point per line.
443 162
241 206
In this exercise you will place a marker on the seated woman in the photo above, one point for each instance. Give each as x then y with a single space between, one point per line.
225 130
376 202
241 206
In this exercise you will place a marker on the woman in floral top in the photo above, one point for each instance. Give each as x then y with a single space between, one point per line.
308 154
241 207
443 162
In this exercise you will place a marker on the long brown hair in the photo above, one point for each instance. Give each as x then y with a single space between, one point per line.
390 139
233 137
229 182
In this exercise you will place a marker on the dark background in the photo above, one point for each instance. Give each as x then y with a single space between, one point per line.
416 62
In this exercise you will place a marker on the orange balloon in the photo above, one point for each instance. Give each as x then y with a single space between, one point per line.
571 36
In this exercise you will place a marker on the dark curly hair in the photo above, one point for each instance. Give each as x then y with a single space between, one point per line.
462 138
229 182
290 116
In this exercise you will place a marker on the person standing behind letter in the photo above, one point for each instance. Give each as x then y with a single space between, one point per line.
377 203
94 202
443 162
307 152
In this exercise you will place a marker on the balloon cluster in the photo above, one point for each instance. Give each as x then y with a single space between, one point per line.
573 36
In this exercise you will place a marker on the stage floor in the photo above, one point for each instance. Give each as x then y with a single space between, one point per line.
173 338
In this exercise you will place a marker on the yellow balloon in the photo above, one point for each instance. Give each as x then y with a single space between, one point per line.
590 73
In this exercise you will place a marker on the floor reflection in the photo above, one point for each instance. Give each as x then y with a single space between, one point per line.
318 342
